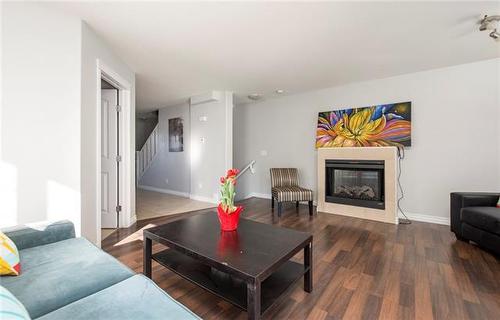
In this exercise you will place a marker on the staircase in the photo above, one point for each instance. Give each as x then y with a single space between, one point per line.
146 155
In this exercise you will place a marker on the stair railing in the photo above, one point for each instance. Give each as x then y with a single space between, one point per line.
144 158
249 166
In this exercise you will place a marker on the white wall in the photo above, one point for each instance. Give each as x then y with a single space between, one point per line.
455 133
48 131
40 130
171 166
212 157
93 49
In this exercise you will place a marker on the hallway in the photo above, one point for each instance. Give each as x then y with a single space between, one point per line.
150 204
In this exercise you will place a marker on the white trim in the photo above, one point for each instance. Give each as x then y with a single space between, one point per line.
259 195
132 221
205 98
426 218
149 150
202 198
229 105
167 191
126 179
412 216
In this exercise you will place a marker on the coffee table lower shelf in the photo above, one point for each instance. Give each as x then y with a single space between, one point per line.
228 287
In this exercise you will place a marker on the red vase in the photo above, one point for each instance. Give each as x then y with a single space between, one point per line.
228 222
228 244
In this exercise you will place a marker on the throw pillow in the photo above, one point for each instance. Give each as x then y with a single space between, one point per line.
10 307
9 257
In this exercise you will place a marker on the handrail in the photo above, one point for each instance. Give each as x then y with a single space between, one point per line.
249 166
145 156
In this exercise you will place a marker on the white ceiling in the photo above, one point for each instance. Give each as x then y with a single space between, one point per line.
182 49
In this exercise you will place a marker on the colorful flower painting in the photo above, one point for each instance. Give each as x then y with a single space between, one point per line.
375 126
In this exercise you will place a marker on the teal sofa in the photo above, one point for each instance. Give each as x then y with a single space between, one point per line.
63 277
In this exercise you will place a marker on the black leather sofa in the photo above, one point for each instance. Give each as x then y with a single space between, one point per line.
475 217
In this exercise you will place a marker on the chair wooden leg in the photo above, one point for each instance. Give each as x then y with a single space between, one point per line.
272 202
297 204
279 209
310 208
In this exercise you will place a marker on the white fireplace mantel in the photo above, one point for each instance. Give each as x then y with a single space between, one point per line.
388 155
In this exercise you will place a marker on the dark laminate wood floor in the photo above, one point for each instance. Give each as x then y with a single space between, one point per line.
362 270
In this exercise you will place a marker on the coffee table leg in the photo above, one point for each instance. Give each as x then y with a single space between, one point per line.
308 279
253 300
147 257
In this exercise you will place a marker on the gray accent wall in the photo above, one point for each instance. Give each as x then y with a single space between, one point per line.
207 154
170 170
455 138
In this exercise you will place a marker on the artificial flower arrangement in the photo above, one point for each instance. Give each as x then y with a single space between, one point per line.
228 213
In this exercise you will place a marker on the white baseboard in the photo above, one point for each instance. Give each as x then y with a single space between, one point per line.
132 221
426 218
202 198
412 216
259 195
167 191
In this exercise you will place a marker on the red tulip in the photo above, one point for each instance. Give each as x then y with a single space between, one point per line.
222 180
232 173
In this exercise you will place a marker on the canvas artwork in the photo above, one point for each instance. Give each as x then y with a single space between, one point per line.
175 135
375 126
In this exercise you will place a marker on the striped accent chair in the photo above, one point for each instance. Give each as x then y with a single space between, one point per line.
285 188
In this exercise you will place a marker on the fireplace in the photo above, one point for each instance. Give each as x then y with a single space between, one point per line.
355 182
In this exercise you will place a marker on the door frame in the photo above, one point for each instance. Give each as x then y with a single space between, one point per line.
124 142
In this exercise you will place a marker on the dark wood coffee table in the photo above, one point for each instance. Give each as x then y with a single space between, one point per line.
250 267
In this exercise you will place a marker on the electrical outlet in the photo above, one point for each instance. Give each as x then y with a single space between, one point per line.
200 185
263 153
166 181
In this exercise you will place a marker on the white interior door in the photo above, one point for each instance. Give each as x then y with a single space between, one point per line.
109 153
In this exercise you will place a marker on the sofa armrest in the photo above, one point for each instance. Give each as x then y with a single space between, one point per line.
38 234
459 200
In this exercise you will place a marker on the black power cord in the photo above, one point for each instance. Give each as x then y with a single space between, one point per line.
401 156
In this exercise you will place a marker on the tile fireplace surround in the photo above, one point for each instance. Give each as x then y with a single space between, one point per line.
389 155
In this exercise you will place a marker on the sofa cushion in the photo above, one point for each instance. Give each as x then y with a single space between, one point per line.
10 307
134 298
62 272
40 233
293 193
485 218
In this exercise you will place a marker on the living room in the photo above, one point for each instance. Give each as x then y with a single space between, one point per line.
274 160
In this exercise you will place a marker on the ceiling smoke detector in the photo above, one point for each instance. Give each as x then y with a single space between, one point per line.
279 91
490 23
255 96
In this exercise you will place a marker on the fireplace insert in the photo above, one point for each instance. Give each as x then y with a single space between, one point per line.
355 182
